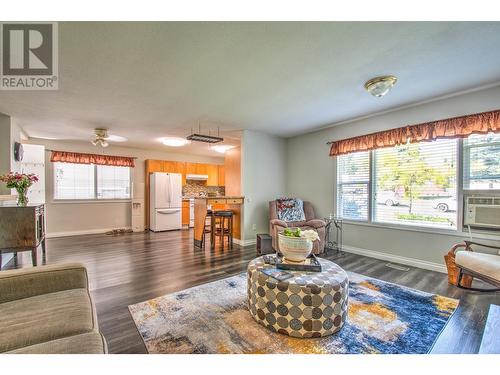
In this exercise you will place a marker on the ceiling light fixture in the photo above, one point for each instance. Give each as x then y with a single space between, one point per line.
206 138
116 138
100 137
379 86
222 149
174 141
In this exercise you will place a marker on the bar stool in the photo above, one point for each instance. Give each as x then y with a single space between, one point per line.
222 227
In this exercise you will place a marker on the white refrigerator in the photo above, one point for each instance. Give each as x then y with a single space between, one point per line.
165 207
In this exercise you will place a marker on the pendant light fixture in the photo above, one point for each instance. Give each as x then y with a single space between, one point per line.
206 138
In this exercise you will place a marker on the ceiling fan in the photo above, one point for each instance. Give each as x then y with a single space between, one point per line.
102 137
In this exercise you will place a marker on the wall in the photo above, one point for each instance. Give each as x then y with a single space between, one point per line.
310 176
64 218
10 133
263 179
4 149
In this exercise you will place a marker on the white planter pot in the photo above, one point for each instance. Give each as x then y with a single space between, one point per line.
295 249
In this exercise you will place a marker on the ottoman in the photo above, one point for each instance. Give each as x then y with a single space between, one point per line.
309 304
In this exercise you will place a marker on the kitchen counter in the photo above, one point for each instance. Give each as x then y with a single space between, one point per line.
221 197
226 202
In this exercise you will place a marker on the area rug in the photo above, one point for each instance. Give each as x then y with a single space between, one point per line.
214 318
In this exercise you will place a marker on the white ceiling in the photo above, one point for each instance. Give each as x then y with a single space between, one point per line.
149 80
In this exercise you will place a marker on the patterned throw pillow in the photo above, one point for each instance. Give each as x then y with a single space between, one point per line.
290 209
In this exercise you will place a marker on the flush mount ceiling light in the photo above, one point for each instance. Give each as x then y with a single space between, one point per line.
379 86
221 148
174 141
102 137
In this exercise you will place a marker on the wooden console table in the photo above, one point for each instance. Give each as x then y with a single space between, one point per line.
22 229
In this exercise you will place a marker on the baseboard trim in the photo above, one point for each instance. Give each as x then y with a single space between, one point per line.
244 242
397 259
80 232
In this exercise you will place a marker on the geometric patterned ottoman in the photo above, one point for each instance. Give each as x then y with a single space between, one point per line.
309 304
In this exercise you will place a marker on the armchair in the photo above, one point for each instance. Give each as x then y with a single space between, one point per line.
311 222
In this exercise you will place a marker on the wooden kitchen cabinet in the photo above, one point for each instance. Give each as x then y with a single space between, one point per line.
154 166
201 168
185 212
175 167
213 175
190 168
211 170
221 179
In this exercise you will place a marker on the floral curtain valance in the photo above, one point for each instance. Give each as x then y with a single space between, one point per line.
458 127
79 158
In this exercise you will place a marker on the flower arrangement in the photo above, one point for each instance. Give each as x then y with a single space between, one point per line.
297 232
21 182
296 244
310 235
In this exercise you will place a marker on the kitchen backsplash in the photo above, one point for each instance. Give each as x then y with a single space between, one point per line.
197 188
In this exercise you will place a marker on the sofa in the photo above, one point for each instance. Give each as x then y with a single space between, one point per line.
311 222
48 310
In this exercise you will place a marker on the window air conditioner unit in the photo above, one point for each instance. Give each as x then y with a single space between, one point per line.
482 212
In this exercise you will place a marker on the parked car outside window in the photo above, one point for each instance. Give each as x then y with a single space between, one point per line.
389 198
446 204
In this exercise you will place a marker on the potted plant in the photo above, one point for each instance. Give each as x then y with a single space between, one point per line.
295 244
21 182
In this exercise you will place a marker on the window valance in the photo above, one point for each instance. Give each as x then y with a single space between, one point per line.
457 127
79 158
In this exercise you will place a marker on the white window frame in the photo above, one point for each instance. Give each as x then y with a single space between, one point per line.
368 189
466 151
92 200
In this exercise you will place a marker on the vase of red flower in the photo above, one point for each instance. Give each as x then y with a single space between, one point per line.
21 182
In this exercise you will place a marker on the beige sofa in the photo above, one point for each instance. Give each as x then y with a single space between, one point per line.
48 309
276 226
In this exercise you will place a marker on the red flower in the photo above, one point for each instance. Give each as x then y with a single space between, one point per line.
18 181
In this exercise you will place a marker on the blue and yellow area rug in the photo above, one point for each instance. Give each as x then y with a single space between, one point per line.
214 318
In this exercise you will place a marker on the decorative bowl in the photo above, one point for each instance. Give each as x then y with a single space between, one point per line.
294 249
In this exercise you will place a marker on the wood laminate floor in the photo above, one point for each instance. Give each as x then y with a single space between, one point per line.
130 268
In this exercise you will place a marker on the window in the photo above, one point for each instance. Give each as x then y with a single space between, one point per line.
89 181
353 177
482 162
415 184
113 182
74 181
